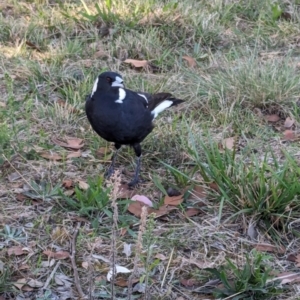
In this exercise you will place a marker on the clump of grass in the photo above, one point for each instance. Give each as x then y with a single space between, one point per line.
266 189
247 282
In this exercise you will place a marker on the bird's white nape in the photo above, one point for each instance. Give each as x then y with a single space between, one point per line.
118 82
161 107
95 87
122 95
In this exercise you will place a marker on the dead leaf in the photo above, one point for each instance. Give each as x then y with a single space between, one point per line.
85 265
175 200
229 143
2 104
137 63
270 248
69 143
21 197
121 282
214 186
190 60
198 192
69 192
161 256
35 283
293 257
163 210
104 153
50 155
20 283
272 118
125 192
83 185
67 183
288 122
57 255
23 267
100 54
136 209
288 277
16 250
33 46
74 154
188 282
197 263
190 212
289 135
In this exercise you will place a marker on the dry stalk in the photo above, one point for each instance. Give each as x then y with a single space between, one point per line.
138 250
114 184
73 261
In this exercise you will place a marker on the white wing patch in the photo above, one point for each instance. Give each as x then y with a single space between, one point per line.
95 87
143 97
122 95
161 107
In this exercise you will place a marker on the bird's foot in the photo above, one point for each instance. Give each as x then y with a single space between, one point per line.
110 171
135 182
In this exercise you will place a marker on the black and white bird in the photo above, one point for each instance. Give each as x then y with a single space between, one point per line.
122 116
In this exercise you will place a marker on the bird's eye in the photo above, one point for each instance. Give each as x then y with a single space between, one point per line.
108 79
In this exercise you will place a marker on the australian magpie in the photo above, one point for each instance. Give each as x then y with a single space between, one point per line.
122 116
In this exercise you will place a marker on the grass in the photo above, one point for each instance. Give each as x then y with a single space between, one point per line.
247 68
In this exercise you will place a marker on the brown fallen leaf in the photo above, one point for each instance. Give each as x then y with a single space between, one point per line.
125 192
16 250
270 248
175 200
188 282
2 104
137 63
67 183
298 260
23 267
288 277
136 209
104 153
33 46
163 210
272 118
57 255
74 154
289 135
198 192
288 122
190 60
100 54
190 212
50 155
69 143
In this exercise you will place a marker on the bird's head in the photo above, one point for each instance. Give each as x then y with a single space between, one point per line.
106 80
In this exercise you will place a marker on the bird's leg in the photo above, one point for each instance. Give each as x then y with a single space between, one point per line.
111 168
138 151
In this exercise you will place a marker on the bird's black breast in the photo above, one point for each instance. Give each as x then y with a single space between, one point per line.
128 122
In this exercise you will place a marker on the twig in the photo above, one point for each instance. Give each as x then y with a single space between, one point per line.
51 275
73 261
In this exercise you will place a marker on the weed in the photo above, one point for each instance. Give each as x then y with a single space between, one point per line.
247 282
